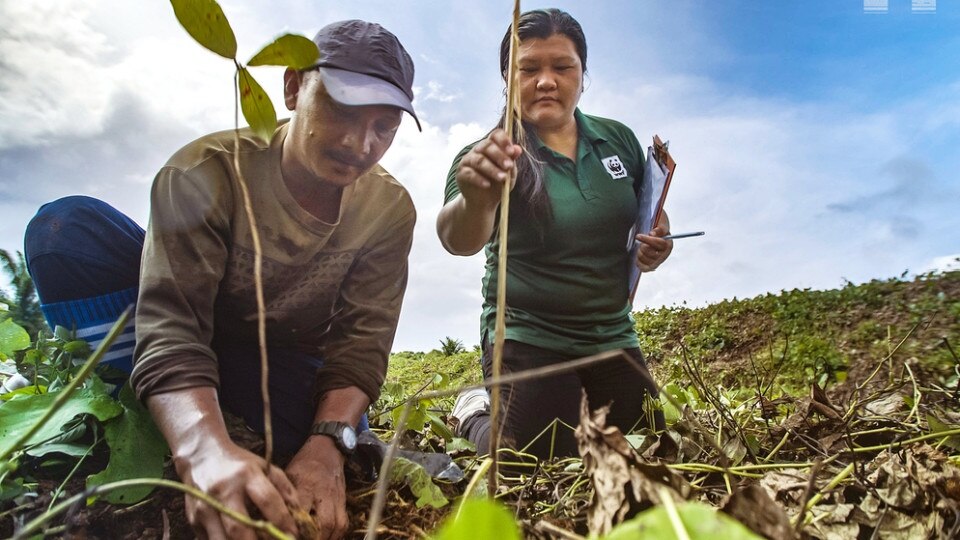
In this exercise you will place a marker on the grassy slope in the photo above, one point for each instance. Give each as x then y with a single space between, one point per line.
792 338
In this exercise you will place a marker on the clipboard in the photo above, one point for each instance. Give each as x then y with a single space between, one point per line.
657 175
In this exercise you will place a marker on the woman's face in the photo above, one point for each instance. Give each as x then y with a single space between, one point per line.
551 80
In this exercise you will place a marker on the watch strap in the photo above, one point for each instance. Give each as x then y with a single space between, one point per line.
334 430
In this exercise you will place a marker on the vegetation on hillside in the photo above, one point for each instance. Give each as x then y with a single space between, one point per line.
804 414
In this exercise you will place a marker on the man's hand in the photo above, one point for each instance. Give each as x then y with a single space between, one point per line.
317 472
234 476
207 459
654 249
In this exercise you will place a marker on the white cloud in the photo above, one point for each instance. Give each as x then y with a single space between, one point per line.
52 83
766 179
435 92
443 293
947 263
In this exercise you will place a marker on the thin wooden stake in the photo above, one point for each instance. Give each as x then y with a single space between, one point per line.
512 107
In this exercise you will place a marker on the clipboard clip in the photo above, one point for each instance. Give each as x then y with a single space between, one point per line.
661 151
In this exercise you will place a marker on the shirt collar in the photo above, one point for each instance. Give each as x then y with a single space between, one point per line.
586 132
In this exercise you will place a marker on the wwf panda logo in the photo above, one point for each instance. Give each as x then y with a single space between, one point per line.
614 167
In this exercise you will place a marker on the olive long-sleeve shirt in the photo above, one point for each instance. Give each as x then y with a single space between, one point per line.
331 289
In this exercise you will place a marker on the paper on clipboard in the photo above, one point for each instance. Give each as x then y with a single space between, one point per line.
657 174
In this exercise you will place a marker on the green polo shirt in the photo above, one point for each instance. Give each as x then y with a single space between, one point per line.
567 290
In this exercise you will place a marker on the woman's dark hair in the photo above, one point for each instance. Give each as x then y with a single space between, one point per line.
531 192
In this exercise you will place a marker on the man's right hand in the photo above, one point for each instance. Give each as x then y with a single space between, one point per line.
207 459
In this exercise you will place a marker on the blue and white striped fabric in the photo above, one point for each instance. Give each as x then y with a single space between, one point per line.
92 318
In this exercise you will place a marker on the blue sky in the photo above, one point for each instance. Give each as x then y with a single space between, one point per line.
816 143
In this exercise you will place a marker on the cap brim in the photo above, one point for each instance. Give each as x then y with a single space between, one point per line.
350 88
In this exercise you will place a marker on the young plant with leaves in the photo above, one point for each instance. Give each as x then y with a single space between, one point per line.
205 22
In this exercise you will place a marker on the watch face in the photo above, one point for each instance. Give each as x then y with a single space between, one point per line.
349 437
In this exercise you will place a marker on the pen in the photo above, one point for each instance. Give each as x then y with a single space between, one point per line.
682 235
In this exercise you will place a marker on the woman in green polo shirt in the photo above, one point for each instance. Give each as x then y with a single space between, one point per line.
571 211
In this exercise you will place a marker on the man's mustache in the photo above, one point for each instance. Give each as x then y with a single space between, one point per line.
349 159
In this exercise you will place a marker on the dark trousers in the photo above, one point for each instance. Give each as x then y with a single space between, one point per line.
84 258
530 407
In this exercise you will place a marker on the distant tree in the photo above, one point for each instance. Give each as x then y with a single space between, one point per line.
450 346
23 305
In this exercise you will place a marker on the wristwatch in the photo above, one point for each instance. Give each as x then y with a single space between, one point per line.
343 435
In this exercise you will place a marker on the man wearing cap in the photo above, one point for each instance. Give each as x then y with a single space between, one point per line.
335 229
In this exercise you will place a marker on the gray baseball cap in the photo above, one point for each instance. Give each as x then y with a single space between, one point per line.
363 63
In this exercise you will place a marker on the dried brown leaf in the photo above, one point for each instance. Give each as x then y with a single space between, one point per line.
622 484
753 507
885 406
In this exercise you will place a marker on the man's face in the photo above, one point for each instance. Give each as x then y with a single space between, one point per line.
332 142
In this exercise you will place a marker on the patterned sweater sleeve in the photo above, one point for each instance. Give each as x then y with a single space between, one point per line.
368 308
183 261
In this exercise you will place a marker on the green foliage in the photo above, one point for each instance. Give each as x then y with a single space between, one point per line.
479 518
450 346
60 418
413 475
137 450
802 336
289 50
699 522
256 106
205 22
24 306
13 338
414 369
19 415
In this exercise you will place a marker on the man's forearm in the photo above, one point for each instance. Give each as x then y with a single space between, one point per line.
345 405
189 419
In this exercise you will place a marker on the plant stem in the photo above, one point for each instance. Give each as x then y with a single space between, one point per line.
383 483
257 284
667 501
894 445
475 479
500 326
33 526
818 496
56 493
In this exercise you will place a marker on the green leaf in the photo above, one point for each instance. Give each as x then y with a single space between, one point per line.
19 415
137 450
288 50
12 338
937 425
70 449
700 521
206 23
479 518
11 489
414 476
416 418
77 347
438 426
256 106
25 391
458 444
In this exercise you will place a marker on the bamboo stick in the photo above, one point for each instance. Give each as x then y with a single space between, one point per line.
512 108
